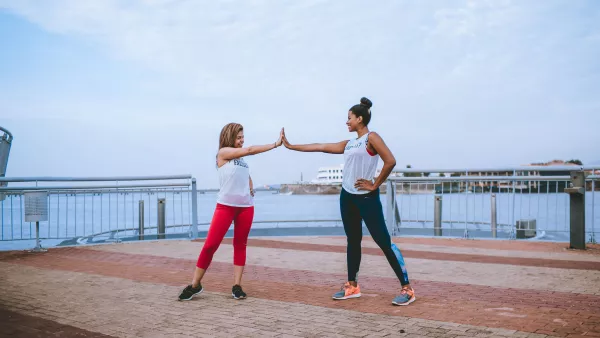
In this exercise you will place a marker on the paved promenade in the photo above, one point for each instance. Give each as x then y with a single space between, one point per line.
464 288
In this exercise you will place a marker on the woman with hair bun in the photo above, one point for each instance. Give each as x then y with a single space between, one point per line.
359 199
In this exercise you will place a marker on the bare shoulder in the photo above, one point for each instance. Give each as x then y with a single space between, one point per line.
373 136
225 154
225 151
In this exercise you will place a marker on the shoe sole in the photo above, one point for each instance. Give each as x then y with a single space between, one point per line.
347 297
234 297
405 304
192 296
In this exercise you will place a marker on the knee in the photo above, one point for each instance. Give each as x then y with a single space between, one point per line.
210 248
384 245
382 239
354 239
239 244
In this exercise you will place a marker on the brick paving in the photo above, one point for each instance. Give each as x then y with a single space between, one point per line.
504 275
446 256
15 324
554 251
129 290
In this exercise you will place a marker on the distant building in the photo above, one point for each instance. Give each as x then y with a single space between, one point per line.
533 186
335 175
329 175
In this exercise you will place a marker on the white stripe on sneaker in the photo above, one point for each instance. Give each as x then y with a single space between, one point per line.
356 295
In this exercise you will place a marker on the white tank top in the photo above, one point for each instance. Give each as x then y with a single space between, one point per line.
234 182
358 163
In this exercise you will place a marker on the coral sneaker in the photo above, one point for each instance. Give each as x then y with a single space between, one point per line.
347 292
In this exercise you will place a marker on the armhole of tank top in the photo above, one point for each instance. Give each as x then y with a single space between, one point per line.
217 162
367 145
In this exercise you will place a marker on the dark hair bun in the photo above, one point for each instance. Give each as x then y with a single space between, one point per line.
366 102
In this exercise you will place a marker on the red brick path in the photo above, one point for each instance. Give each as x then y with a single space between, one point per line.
440 256
556 313
20 325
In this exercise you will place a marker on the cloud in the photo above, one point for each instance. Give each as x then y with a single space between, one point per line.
443 75
243 49
221 48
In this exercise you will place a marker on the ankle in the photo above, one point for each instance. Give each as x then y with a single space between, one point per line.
353 283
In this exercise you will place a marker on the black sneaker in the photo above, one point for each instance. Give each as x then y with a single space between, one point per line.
189 292
237 292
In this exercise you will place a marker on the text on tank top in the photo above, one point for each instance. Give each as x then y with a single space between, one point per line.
234 183
358 164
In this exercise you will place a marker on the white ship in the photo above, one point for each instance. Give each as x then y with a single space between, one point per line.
329 175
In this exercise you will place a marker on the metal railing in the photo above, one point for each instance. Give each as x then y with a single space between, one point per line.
78 212
515 206
101 209
508 170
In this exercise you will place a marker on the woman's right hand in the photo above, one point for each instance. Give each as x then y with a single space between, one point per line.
280 140
286 143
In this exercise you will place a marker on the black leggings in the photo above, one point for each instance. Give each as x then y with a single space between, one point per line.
356 208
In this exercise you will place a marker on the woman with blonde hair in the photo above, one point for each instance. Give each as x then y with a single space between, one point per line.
235 203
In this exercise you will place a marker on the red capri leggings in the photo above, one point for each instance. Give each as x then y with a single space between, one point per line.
222 218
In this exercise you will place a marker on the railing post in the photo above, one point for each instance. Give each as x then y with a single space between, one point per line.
390 212
161 229
494 216
576 193
36 210
398 220
437 216
194 209
593 235
38 244
141 220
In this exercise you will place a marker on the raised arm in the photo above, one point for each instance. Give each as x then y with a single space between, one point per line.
330 148
229 153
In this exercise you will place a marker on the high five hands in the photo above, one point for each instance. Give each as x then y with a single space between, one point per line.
280 139
286 143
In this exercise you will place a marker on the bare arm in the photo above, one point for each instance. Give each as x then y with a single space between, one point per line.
389 162
330 148
228 153
251 187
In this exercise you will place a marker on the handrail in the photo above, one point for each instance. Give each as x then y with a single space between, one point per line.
90 187
480 178
500 169
95 179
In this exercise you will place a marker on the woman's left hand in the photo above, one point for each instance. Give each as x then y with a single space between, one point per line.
252 192
363 184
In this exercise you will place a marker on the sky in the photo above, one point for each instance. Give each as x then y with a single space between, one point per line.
143 87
